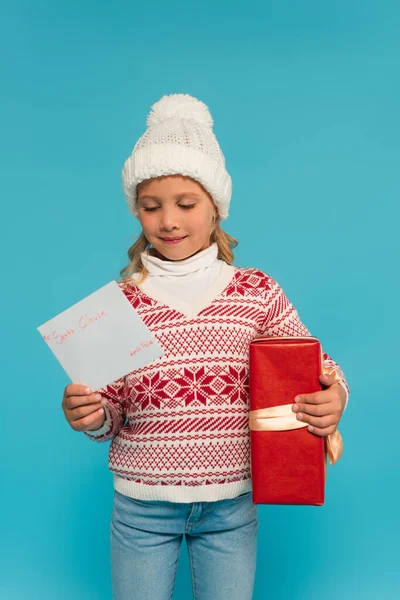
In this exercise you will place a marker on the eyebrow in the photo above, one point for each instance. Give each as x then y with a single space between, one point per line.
177 197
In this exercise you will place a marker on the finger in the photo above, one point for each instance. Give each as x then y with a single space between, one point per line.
317 410
77 389
323 432
72 402
87 422
317 398
83 411
320 422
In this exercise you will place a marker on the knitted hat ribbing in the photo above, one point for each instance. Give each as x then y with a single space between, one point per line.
179 141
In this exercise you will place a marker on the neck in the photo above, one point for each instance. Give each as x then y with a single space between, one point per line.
158 265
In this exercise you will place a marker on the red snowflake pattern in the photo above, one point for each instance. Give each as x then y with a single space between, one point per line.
247 282
194 385
151 390
237 385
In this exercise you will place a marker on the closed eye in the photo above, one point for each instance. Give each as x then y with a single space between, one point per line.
153 208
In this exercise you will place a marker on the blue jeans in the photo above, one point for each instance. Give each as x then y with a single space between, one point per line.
221 538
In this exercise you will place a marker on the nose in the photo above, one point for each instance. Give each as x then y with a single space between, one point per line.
169 220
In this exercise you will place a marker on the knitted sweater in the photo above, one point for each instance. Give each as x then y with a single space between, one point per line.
179 425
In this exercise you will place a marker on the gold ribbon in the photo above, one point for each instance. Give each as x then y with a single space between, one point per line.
282 418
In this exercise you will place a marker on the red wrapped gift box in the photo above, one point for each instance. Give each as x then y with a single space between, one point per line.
288 466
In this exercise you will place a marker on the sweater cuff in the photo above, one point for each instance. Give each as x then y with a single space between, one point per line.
104 430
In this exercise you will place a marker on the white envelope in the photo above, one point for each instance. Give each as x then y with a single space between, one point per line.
101 338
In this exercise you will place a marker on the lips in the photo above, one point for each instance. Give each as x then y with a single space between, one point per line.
173 240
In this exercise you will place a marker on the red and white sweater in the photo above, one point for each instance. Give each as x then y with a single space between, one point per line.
179 425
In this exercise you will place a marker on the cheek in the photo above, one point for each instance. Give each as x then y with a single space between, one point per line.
200 221
146 221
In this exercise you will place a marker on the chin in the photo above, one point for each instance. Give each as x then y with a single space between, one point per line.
177 255
179 252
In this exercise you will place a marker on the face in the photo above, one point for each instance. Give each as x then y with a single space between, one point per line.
176 214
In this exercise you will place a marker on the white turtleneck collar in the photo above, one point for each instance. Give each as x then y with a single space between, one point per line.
187 285
157 267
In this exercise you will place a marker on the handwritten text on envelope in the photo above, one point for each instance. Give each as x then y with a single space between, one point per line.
101 338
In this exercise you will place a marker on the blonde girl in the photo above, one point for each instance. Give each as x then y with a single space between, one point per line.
180 441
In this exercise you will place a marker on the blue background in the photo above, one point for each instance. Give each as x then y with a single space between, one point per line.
305 98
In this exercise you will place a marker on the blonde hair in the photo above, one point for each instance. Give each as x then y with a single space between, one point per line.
224 241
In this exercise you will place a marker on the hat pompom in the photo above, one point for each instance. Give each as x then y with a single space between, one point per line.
179 106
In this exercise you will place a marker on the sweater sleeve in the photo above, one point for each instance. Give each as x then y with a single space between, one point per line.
282 319
114 394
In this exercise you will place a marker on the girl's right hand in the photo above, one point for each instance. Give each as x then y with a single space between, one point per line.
83 411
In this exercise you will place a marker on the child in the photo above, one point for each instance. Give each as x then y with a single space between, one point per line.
180 450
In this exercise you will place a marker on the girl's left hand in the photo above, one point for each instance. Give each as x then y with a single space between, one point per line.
323 409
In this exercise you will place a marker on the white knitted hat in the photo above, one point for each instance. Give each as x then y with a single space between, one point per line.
179 140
